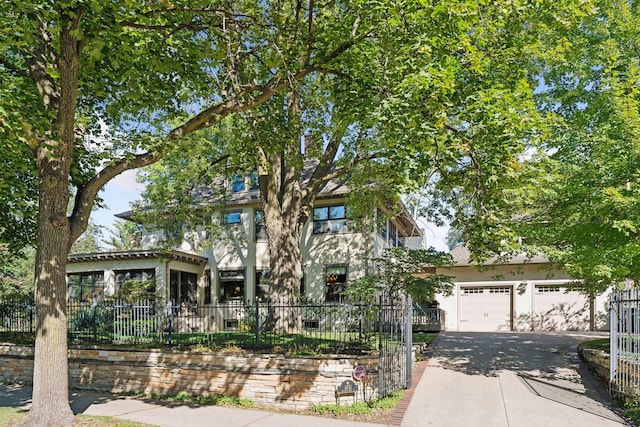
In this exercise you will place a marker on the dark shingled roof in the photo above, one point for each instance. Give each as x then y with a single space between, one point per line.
461 258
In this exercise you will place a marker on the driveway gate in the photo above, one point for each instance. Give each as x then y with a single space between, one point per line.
625 342
395 328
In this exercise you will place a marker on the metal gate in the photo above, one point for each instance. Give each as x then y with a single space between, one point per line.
625 342
395 328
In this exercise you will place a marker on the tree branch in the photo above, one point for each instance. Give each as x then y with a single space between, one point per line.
13 68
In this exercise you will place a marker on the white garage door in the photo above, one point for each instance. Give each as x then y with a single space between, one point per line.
484 308
555 308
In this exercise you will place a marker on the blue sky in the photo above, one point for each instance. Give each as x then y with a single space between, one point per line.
119 193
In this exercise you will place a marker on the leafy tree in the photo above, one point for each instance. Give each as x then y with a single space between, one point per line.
444 96
92 88
584 201
402 270
89 241
126 236
16 274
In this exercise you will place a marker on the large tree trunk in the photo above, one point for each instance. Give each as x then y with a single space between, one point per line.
50 372
282 204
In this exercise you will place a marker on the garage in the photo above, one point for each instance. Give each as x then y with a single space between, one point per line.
559 308
485 308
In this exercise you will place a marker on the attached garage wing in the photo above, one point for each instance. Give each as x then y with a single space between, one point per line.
560 308
485 309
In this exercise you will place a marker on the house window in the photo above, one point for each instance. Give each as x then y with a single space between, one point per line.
238 183
393 235
233 217
127 282
261 230
253 181
85 287
183 287
232 284
329 219
335 281
262 284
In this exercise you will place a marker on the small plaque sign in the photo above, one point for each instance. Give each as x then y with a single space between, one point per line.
359 372
347 387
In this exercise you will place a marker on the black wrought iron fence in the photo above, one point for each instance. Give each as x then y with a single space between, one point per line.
324 327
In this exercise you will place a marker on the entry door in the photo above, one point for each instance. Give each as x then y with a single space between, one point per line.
485 309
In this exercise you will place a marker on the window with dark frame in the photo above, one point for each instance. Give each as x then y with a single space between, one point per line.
139 275
183 287
261 229
85 287
335 282
329 219
232 285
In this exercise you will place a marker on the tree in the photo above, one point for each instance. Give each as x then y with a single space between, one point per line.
584 211
89 241
94 85
402 270
126 236
443 92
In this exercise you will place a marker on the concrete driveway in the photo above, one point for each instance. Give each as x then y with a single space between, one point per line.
508 379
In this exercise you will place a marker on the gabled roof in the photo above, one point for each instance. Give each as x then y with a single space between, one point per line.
461 258
137 254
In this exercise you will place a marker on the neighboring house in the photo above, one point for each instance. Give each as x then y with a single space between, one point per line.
233 265
521 294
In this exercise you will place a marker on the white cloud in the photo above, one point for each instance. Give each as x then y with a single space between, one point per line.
127 181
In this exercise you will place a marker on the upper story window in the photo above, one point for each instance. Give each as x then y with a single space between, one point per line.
253 181
329 219
238 183
261 229
232 217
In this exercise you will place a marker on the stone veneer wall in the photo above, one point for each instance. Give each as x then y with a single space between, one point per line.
268 380
597 361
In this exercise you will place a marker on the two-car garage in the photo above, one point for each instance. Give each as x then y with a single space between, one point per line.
519 294
523 306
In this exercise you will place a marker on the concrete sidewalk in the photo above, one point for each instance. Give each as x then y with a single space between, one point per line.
170 414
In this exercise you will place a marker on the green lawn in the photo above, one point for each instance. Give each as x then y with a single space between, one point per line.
599 344
10 416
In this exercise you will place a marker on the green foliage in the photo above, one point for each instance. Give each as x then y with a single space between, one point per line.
133 290
583 199
126 236
407 271
599 344
219 400
17 273
360 408
90 241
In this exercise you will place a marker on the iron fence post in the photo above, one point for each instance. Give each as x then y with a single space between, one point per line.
94 307
169 322
257 319
32 308
409 339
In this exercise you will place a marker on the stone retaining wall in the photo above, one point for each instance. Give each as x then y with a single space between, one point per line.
268 380
597 361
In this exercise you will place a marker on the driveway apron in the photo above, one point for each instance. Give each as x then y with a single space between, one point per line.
508 379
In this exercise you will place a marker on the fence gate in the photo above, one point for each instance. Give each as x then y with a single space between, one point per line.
625 342
395 343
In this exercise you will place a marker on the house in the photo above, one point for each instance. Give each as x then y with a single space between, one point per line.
518 294
232 266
